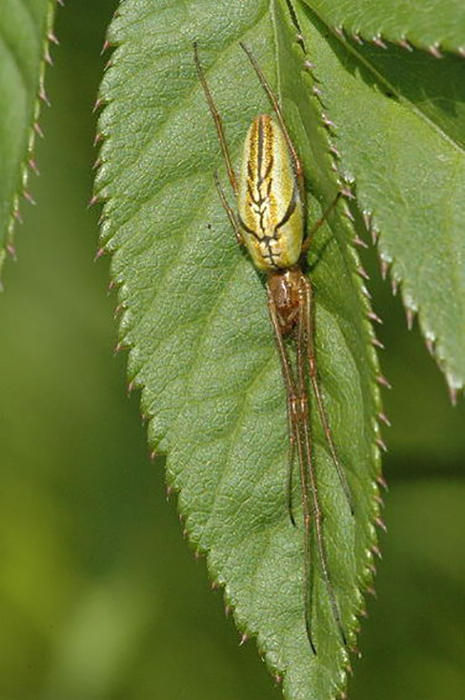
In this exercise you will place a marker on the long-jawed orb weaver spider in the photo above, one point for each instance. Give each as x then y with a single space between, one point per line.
271 222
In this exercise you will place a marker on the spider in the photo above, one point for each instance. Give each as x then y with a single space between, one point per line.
270 223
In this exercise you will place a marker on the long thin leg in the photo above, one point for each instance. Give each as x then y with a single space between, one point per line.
318 395
317 224
229 211
289 385
302 349
218 121
297 416
274 101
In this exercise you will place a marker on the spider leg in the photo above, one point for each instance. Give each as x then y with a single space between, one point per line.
218 121
289 385
229 210
299 172
317 224
305 347
297 410
312 369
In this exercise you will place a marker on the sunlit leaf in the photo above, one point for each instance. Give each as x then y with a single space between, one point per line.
196 322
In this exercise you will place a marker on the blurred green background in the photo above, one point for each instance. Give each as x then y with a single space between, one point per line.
100 597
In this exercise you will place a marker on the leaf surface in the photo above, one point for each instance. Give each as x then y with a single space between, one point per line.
195 319
429 24
400 125
24 29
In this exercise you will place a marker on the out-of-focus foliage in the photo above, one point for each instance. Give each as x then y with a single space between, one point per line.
25 28
99 597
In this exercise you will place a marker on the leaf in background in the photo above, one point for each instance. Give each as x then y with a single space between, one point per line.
196 322
400 130
429 24
25 30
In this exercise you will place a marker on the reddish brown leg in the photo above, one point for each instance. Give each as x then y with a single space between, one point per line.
289 386
299 172
312 367
218 121
317 224
229 211
302 351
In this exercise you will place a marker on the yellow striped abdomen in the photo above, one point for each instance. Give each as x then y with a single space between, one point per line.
270 207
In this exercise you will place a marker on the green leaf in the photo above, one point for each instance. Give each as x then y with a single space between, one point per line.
400 131
195 319
429 24
25 26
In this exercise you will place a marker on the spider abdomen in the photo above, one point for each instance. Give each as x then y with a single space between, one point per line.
269 203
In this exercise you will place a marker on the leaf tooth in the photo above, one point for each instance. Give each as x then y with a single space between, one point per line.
377 343
382 482
327 122
381 524
47 57
339 31
384 268
461 51
381 444
365 292
381 379
435 51
378 41
410 314
244 638
38 130
33 166
374 317
12 251
43 95
308 65
430 341
346 191
405 44
394 285
367 218
52 38
382 417
27 195
97 104
119 308
452 394
360 242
